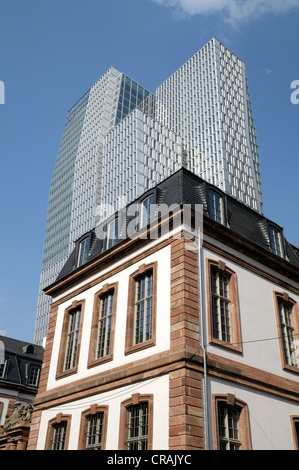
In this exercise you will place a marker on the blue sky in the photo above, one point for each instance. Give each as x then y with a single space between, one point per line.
52 52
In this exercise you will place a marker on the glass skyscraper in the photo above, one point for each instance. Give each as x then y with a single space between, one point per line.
120 140
206 101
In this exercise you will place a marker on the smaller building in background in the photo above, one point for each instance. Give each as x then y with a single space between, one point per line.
20 366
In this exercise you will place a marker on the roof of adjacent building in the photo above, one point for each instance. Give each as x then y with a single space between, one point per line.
184 187
19 356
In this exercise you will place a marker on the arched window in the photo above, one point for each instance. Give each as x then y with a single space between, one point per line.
58 432
136 423
93 429
230 423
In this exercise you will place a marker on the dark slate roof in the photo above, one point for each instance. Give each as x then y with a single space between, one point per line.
19 357
184 187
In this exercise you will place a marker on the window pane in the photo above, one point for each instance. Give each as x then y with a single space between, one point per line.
220 306
72 339
137 427
215 207
2 369
105 324
112 233
143 308
274 241
288 334
94 431
59 432
83 252
33 376
147 211
228 427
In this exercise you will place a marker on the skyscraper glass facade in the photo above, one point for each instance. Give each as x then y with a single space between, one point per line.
206 101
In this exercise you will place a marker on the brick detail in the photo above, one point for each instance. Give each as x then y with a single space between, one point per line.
36 415
34 429
185 394
185 410
48 350
184 329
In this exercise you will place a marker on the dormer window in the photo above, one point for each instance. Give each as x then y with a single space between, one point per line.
83 251
275 241
215 207
112 238
33 376
3 369
147 211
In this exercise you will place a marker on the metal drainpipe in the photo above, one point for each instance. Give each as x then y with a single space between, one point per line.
202 340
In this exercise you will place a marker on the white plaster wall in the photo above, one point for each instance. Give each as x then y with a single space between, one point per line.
259 332
158 386
162 327
269 417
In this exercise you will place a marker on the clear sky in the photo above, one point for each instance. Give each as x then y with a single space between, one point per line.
51 52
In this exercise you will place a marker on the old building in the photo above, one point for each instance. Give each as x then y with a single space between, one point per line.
178 332
20 365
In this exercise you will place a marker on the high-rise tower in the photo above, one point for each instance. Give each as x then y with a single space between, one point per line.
119 140
206 102
75 188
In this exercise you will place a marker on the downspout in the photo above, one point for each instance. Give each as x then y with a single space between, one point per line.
200 269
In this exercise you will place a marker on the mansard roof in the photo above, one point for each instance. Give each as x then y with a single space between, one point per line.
240 222
19 356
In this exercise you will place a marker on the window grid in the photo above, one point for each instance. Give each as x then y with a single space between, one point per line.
72 339
215 207
229 428
221 306
112 233
288 333
137 427
59 434
147 211
143 308
105 325
274 241
94 432
33 376
83 252
3 369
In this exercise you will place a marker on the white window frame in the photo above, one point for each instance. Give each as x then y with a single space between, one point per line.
2 374
71 349
112 227
146 211
275 241
213 208
83 252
